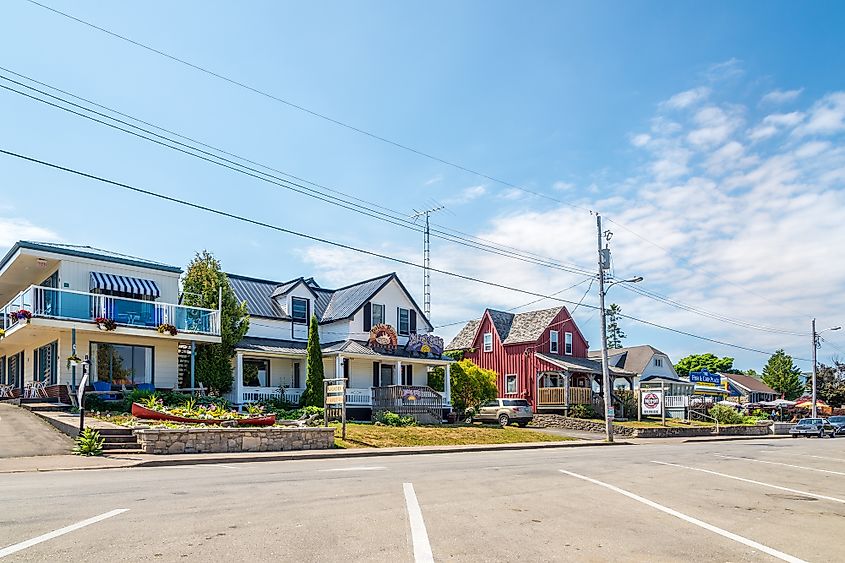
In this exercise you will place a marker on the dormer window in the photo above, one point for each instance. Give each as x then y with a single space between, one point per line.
658 362
376 314
299 310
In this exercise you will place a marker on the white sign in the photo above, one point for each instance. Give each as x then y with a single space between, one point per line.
610 413
651 402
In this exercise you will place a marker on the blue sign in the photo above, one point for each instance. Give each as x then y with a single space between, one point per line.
705 376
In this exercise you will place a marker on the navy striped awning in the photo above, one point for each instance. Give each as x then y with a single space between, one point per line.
125 284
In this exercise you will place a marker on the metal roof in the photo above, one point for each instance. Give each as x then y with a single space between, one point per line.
583 365
88 252
346 301
258 295
278 346
272 345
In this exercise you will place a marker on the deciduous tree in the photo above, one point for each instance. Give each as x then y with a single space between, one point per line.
471 384
697 362
201 285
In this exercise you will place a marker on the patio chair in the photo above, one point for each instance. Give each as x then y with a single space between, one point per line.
101 386
39 390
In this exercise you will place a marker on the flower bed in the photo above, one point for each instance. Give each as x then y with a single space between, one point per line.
191 412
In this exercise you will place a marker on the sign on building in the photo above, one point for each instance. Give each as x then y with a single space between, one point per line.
651 402
705 377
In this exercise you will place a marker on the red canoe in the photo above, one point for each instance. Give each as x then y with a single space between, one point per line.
141 411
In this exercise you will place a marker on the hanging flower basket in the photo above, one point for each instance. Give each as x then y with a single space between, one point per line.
167 328
105 323
73 360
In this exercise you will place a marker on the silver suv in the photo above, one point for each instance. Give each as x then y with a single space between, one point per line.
504 411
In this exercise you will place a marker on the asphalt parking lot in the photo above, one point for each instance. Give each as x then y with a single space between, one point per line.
759 500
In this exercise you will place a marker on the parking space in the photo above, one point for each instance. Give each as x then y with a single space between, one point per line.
733 501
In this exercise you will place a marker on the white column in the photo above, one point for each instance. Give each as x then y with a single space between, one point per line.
338 366
447 387
239 377
398 372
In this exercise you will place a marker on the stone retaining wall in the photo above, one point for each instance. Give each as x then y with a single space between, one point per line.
220 440
560 421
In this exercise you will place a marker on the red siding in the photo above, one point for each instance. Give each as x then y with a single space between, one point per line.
520 358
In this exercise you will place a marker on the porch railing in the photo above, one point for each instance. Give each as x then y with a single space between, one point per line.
354 397
555 396
66 304
676 401
408 400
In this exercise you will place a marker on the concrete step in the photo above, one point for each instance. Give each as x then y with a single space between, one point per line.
118 439
120 446
45 407
40 400
115 432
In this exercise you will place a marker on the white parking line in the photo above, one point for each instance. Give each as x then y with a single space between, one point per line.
419 535
716 530
783 464
828 458
752 481
363 468
60 532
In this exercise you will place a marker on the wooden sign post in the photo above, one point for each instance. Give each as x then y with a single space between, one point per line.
334 393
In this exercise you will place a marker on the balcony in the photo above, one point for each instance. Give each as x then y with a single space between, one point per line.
68 305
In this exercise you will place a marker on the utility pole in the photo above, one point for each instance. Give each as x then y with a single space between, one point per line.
815 347
427 257
604 264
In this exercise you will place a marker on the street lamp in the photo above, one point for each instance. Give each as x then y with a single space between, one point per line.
816 345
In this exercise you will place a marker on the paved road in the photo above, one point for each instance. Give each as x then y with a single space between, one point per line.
25 434
719 501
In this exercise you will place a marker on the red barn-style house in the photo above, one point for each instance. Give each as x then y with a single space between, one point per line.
540 356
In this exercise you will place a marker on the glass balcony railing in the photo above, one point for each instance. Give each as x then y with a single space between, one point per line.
46 302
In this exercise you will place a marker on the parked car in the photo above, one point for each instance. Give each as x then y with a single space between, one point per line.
504 411
813 427
838 423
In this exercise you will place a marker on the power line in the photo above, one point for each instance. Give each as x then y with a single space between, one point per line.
375 136
349 247
302 108
399 220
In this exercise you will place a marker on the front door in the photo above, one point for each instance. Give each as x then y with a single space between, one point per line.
386 375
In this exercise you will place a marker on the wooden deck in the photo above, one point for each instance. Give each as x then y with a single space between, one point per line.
555 396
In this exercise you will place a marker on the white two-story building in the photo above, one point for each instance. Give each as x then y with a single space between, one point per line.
51 296
371 332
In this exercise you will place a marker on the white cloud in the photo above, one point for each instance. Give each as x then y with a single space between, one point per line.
687 98
715 126
13 229
640 140
728 69
511 194
467 195
781 96
827 116
774 123
562 186
433 180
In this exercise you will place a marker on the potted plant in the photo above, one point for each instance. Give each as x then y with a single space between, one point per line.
73 360
167 328
2 333
20 315
105 323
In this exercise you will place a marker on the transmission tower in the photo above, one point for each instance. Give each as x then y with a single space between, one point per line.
427 256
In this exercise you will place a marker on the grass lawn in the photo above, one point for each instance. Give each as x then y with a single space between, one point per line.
370 436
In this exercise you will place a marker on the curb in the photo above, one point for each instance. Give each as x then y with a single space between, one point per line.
735 438
188 459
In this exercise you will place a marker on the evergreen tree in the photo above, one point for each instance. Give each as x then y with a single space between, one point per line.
313 394
201 284
830 384
782 375
615 335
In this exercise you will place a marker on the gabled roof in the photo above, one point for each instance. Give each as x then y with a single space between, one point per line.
329 304
749 383
632 358
88 252
583 365
511 328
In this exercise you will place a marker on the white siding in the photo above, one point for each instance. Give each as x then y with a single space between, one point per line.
76 272
392 297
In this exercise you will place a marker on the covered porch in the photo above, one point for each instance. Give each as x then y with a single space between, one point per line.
568 381
269 369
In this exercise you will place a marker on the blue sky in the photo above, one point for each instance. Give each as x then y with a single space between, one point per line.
713 130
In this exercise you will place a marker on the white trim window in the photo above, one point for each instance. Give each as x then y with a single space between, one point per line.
658 362
567 343
488 341
299 310
403 321
554 342
511 383
376 314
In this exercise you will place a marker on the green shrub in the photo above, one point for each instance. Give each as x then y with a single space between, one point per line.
89 443
583 411
277 403
627 399
725 414
388 418
97 404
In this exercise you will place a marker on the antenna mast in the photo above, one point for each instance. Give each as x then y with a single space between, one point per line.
427 256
